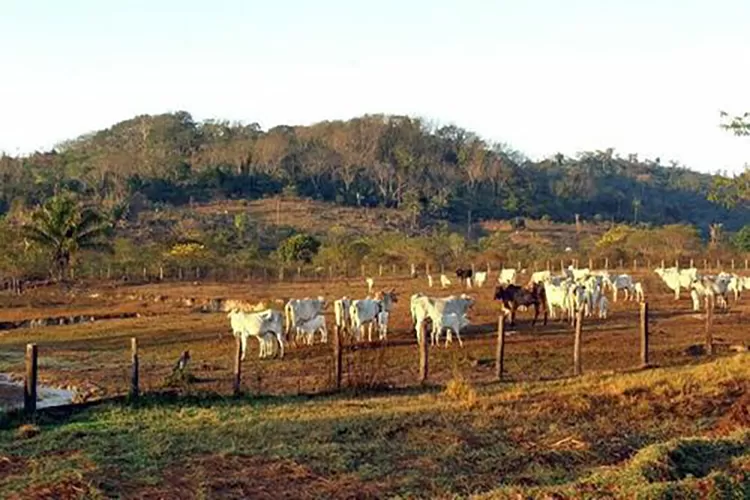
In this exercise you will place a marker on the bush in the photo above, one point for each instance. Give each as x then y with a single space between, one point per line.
741 239
299 248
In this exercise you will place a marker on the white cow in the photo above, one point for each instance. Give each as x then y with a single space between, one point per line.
737 284
675 279
429 280
311 326
383 325
508 276
622 282
370 284
578 274
540 277
424 307
603 307
260 325
639 292
557 297
341 312
452 323
480 278
444 281
365 312
297 310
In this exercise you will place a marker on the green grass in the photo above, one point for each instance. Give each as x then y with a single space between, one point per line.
647 433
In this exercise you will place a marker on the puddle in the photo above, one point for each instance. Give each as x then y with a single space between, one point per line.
11 395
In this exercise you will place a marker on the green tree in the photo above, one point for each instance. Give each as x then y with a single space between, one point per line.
64 227
298 248
741 239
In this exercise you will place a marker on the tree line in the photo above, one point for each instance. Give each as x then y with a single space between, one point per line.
430 172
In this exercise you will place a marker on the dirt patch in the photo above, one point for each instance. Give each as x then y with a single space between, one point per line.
235 476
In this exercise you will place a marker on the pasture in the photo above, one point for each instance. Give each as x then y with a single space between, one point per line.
384 435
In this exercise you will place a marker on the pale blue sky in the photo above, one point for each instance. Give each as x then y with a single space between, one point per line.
543 75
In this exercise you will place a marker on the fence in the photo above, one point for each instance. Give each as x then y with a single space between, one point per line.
269 273
338 349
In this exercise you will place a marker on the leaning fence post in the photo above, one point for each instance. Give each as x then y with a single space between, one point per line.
500 354
577 344
423 354
238 367
134 389
644 334
606 263
29 389
709 324
337 356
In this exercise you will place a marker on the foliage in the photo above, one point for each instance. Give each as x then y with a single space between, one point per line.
735 191
64 227
741 239
298 248
374 160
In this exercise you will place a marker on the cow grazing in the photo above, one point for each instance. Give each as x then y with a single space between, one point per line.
264 325
514 296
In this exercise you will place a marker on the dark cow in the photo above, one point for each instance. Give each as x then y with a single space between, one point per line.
463 274
514 296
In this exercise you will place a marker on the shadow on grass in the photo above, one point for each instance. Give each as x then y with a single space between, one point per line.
176 398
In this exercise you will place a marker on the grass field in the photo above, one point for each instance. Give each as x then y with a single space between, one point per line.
683 425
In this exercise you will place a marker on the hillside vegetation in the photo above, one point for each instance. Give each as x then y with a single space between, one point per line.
375 160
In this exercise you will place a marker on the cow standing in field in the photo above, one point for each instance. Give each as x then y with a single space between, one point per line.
435 309
465 276
298 310
514 296
264 325
366 311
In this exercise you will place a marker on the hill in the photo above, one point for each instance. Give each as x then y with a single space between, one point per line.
395 162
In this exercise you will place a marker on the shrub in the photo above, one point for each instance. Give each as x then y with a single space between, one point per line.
741 239
299 248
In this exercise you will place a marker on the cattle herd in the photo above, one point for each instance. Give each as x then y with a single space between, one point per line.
554 296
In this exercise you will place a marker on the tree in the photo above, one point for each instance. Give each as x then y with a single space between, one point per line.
732 192
65 227
298 248
741 240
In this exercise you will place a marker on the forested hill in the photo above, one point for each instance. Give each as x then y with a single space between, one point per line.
391 161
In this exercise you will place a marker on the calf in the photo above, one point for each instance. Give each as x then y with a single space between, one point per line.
297 310
444 281
480 278
365 312
311 326
452 323
514 296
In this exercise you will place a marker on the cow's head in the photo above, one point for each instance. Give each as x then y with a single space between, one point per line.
499 292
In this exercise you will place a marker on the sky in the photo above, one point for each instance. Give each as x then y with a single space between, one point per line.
543 76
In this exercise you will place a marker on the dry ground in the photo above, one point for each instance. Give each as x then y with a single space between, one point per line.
608 434
96 355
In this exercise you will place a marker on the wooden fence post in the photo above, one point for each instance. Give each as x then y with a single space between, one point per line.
423 354
621 264
692 262
606 263
635 264
518 266
549 267
393 269
134 389
718 265
238 368
644 334
732 264
380 269
161 273
562 266
591 263
709 323
197 273
705 264
337 357
577 344
500 354
662 263
745 264
29 389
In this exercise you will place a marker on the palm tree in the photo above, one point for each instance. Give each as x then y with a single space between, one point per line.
65 227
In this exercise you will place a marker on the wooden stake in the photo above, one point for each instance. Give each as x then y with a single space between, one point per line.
500 354
423 355
709 324
29 391
238 368
577 344
644 334
134 386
